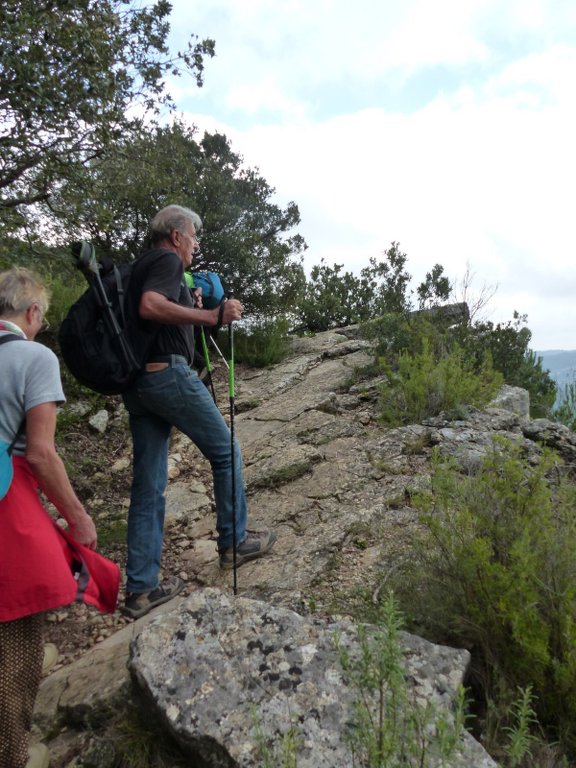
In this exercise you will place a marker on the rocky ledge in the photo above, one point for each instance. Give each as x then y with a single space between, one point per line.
336 486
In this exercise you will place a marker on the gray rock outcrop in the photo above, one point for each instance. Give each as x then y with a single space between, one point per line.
220 668
337 487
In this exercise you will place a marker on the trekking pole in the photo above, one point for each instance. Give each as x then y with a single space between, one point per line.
217 348
85 256
208 363
205 351
232 451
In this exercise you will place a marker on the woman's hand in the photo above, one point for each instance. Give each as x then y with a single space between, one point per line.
83 531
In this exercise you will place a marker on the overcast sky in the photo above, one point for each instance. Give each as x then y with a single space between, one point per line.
448 126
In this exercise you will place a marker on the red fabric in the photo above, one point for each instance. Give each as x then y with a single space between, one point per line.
37 558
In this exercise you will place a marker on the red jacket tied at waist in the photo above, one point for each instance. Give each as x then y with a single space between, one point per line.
41 566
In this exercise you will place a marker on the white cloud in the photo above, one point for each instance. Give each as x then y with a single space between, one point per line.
480 172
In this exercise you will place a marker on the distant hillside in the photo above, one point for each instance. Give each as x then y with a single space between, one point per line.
562 366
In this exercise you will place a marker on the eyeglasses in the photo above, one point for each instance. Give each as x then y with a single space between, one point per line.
44 324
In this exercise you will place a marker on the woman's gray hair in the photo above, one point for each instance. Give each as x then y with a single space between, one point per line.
170 218
19 288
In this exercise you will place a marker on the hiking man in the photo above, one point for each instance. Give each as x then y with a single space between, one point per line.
168 393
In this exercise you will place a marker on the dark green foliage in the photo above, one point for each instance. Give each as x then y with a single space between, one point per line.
262 344
435 289
71 74
328 300
426 383
394 334
508 345
504 345
247 239
495 572
331 299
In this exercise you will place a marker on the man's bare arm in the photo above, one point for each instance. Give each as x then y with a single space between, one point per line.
155 306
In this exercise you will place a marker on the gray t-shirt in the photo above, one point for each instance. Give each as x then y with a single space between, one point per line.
29 376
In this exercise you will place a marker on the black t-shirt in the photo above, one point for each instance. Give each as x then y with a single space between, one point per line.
162 271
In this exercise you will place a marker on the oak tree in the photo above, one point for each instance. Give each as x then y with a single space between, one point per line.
77 75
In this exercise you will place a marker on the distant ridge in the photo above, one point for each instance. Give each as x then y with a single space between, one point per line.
561 363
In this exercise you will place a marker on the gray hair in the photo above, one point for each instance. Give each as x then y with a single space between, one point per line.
170 218
19 288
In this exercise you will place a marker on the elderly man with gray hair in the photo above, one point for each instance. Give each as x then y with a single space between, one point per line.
169 393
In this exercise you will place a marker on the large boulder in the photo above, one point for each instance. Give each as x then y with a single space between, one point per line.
221 669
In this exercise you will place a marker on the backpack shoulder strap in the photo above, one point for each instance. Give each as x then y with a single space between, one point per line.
10 337
120 292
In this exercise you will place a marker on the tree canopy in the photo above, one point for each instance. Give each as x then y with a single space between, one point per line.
332 298
247 238
77 75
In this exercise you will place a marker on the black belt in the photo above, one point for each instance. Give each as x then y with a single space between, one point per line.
170 359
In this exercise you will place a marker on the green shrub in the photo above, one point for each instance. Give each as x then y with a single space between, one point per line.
505 343
508 343
64 294
280 754
495 572
396 333
390 728
424 385
264 343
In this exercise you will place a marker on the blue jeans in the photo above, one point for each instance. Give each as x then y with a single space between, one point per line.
158 401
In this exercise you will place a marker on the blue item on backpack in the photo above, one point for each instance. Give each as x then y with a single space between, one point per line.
212 289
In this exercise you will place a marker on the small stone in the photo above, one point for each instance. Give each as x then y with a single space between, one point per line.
120 465
99 421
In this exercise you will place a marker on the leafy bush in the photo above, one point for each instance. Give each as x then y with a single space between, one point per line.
495 572
334 299
424 385
394 333
264 343
505 343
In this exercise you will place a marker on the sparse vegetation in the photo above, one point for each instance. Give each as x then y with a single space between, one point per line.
494 572
390 728
425 384
134 739
262 344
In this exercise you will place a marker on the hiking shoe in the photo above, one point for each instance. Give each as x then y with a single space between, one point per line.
38 756
139 603
256 544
